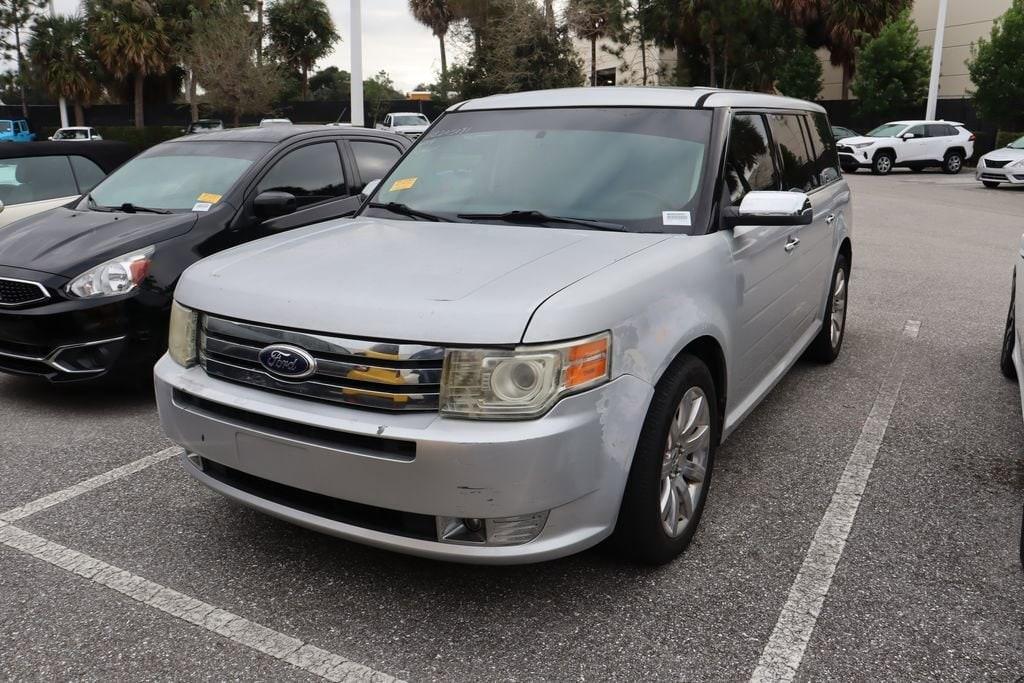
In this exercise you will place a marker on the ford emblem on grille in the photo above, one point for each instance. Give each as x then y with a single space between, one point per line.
287 361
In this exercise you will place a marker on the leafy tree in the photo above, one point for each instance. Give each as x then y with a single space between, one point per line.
437 16
799 74
131 39
223 53
997 69
892 70
592 20
301 33
60 52
15 16
331 84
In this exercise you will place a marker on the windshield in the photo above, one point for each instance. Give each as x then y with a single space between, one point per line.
173 175
618 165
410 120
1017 144
889 130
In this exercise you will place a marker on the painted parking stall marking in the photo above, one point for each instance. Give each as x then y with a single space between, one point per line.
310 658
781 657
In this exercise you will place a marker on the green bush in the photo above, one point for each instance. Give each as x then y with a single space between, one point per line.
1005 137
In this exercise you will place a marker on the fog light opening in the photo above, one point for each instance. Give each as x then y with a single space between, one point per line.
495 531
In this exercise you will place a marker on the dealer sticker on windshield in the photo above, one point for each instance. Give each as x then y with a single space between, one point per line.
403 184
201 206
675 218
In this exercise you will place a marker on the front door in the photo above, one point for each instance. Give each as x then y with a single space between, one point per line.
917 148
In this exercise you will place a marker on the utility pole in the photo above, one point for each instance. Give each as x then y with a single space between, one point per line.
933 86
63 100
356 44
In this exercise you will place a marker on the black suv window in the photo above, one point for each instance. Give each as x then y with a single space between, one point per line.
374 159
33 179
748 164
312 173
798 166
826 162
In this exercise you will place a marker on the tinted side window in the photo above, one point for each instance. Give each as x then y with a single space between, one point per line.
798 168
312 173
374 159
919 131
826 161
87 173
33 179
748 163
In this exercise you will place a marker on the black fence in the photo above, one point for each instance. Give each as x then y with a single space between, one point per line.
175 114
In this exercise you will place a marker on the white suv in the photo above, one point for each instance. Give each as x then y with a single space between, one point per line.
911 144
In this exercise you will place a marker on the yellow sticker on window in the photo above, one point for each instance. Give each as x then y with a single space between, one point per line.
403 184
208 197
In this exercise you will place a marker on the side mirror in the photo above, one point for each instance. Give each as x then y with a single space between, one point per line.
1 207
272 204
771 208
369 188
908 136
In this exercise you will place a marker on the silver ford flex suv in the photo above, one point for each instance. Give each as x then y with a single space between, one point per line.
534 334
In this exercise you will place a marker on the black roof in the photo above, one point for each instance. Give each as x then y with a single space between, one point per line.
279 133
107 154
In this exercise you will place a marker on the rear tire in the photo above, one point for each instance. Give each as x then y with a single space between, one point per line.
826 346
1010 336
883 163
953 163
671 471
990 184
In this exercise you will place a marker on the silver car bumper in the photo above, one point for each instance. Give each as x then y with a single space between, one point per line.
1006 174
294 459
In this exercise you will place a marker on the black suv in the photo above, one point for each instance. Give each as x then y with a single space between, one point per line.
85 290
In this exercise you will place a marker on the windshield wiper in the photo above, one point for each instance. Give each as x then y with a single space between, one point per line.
405 210
128 207
537 217
93 206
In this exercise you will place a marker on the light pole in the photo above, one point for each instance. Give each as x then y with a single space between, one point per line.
63 101
356 43
933 86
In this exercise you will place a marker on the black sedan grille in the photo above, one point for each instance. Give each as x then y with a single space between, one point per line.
21 292
996 164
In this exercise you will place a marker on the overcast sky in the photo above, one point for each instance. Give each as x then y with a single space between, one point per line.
392 41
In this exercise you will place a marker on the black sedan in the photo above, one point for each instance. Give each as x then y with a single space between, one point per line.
85 290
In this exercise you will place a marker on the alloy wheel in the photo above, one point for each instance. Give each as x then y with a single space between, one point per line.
684 465
838 307
954 163
884 164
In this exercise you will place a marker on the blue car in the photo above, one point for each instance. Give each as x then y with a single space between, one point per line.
15 130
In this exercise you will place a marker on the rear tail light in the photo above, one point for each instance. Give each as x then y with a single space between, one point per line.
973 137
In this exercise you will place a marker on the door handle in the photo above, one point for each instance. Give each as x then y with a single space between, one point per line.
830 219
792 244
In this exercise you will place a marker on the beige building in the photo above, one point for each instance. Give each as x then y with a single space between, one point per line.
966 21
627 68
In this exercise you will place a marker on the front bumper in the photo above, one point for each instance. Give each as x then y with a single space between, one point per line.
1007 174
854 159
311 464
77 339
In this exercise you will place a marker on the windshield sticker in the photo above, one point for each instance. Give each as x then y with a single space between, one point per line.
201 206
675 218
403 184
208 197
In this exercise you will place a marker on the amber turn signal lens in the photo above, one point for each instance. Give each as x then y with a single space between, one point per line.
587 362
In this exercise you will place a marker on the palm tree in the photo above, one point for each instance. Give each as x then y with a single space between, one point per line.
437 16
60 52
301 33
592 20
15 15
131 39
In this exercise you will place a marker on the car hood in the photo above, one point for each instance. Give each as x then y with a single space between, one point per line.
1005 154
858 140
403 280
64 242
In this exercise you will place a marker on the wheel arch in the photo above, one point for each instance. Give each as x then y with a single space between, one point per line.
885 150
708 350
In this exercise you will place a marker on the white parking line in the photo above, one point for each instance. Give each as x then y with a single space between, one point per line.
785 649
40 504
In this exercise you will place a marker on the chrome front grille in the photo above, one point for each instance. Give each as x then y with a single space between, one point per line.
21 292
368 374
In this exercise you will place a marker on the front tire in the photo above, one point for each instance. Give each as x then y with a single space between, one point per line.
883 163
826 346
671 471
953 163
1010 336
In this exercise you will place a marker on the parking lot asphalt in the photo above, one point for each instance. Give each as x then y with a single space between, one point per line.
928 584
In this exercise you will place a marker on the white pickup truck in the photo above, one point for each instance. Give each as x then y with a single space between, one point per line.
411 125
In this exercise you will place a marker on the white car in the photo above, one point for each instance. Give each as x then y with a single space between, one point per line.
1004 165
411 125
909 144
76 133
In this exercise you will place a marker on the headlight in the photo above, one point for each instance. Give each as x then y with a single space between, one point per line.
117 276
498 384
1018 163
181 340
862 145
